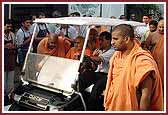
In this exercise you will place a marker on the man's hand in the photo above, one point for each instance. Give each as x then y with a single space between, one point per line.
96 52
10 46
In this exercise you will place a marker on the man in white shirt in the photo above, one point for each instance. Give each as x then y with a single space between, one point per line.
98 77
140 30
9 60
23 37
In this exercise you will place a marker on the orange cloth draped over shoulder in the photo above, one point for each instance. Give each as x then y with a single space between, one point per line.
61 49
158 55
71 53
124 79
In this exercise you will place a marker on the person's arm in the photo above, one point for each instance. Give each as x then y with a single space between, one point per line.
96 58
70 40
146 90
96 52
67 45
20 39
27 41
10 46
147 43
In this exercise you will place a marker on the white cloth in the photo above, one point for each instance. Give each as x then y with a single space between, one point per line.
140 30
20 36
53 27
145 36
11 36
105 56
72 32
40 26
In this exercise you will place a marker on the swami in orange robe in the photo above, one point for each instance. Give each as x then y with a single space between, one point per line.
158 55
62 47
124 79
93 41
75 51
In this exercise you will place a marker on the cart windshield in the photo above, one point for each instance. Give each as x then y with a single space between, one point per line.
50 71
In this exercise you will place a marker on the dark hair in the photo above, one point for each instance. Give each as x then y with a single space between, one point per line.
153 22
25 18
106 35
84 15
150 15
147 15
76 13
125 30
8 21
160 18
122 16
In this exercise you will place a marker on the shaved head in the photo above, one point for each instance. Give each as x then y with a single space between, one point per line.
52 40
161 22
125 30
160 27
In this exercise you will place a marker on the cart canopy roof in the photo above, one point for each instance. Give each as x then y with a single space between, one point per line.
87 21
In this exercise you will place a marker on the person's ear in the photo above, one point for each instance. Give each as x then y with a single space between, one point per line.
22 23
127 39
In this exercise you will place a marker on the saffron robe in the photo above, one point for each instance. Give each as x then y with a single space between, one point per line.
158 55
124 79
62 47
72 52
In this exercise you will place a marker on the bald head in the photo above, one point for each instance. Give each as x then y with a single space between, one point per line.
161 22
52 36
79 41
52 40
93 34
160 27
125 30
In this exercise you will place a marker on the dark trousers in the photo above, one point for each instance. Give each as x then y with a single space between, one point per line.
21 56
95 101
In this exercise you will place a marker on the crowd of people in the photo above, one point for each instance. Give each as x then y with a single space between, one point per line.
128 69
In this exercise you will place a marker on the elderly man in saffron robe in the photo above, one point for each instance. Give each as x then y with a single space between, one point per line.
155 43
53 45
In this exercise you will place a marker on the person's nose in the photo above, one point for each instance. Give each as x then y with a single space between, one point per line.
112 42
10 29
